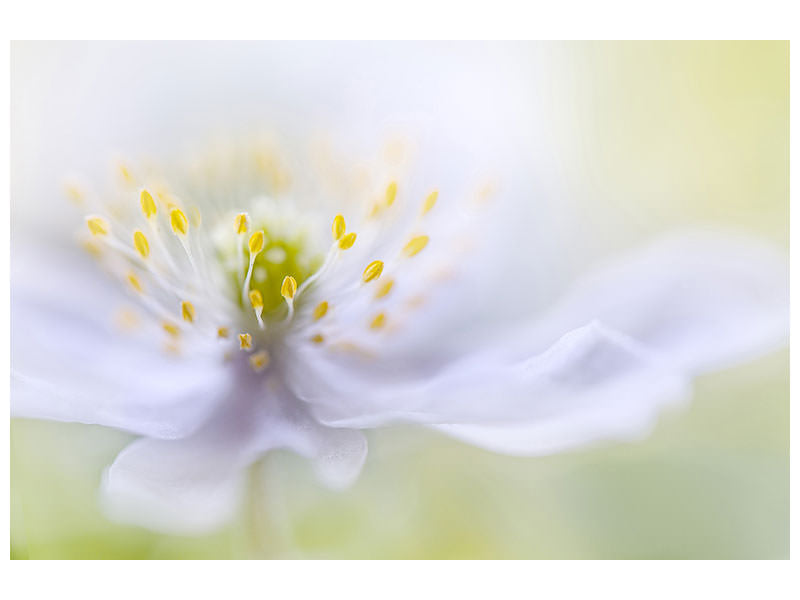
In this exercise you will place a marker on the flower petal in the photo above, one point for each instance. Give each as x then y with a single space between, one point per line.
195 485
704 300
68 363
606 378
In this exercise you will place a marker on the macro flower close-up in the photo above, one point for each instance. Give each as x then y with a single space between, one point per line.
431 271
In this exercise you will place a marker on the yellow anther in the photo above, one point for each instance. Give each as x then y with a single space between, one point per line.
321 310
178 221
171 328
256 299
317 338
373 270
245 341
92 248
385 288
256 243
241 223
378 321
430 201
141 244
338 227
415 245
288 287
347 241
75 194
125 173
195 217
135 283
259 361
187 311
148 205
223 332
98 225
391 193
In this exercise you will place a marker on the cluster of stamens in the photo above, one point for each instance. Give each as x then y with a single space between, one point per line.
158 275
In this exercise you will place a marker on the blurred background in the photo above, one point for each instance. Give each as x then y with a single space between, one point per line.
611 142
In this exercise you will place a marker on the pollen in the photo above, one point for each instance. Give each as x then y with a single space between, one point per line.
187 311
242 223
385 288
321 310
415 245
288 287
141 244
317 338
373 271
338 227
256 243
391 193
98 225
223 332
134 282
245 341
346 242
259 361
178 222
430 202
171 328
148 204
378 321
256 299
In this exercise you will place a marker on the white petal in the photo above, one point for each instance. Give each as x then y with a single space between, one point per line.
69 363
704 300
604 380
194 485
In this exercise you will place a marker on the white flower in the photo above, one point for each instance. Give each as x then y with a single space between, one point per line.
344 350
272 320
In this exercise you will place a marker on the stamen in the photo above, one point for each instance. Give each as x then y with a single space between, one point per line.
288 287
317 338
255 245
195 217
171 328
321 310
430 202
257 301
346 242
223 332
391 193
98 225
378 321
148 205
245 341
385 288
178 222
416 245
338 227
288 290
135 283
141 244
187 311
259 361
373 271
242 223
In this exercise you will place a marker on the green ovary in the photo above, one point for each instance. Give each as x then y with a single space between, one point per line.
280 257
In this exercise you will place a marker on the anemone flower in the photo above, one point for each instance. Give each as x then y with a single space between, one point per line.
234 301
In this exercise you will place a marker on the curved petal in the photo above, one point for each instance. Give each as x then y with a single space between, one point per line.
592 371
195 485
69 362
703 300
